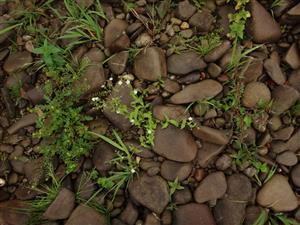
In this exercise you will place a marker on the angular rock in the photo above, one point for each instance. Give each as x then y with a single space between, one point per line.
284 97
202 20
113 31
17 61
183 148
185 10
256 94
123 92
102 156
294 80
277 194
272 67
212 187
150 64
151 192
11 215
218 52
215 136
263 26
184 63
171 170
196 92
172 112
295 175
85 215
208 152
193 214
117 64
62 206
292 57
35 95
287 158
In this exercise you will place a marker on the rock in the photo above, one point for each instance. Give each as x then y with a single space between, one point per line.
254 70
84 186
295 175
202 90
292 57
294 14
17 61
9 105
85 3
183 196
113 31
25 121
35 95
6 148
211 135
171 170
117 63
85 215
185 10
143 40
102 156
129 214
120 44
293 144
150 64
152 220
223 21
287 158
277 194
239 188
223 162
294 80
184 63
62 206
252 215
284 97
263 26
211 188
183 148
272 67
283 134
214 70
218 52
123 92
16 80
256 94
208 152
10 213
172 112
151 192
228 212
193 214
171 86
34 170
202 20
94 55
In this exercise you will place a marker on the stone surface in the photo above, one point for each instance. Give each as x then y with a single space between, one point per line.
211 188
62 206
184 63
102 156
256 94
294 80
130 214
10 215
150 64
183 148
284 97
203 21
292 57
218 52
193 214
151 192
287 158
262 27
208 152
85 215
254 70
295 175
277 194
172 112
27 120
113 31
185 10
17 61
293 144
117 64
239 188
273 69
171 170
215 136
196 92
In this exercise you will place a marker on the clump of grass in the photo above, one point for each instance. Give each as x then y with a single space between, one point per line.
173 187
270 218
199 3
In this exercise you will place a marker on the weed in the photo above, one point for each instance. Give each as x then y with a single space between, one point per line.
124 162
269 218
276 3
295 110
173 187
133 51
199 3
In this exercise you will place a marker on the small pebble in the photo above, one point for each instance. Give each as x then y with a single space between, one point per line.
2 182
184 26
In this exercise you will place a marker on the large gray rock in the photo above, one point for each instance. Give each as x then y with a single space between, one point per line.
196 92
175 144
151 192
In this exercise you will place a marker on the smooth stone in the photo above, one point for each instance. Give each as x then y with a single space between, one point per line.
203 21
294 80
185 10
171 112
171 170
215 136
292 57
295 175
214 70
263 27
184 63
17 61
293 144
256 94
113 31
211 188
277 194
218 52
117 63
193 214
130 214
102 156
152 220
151 192
207 153
150 64
254 70
273 69
283 134
25 121
284 97
183 196
239 188
183 148
287 158
202 90
10 213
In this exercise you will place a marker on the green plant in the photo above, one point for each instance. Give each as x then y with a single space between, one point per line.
206 43
276 3
199 3
173 187
269 218
125 164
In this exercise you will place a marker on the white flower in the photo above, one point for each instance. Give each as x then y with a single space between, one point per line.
120 82
111 78
149 131
102 86
190 118
131 121
135 91
127 82
132 170
118 112
94 99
